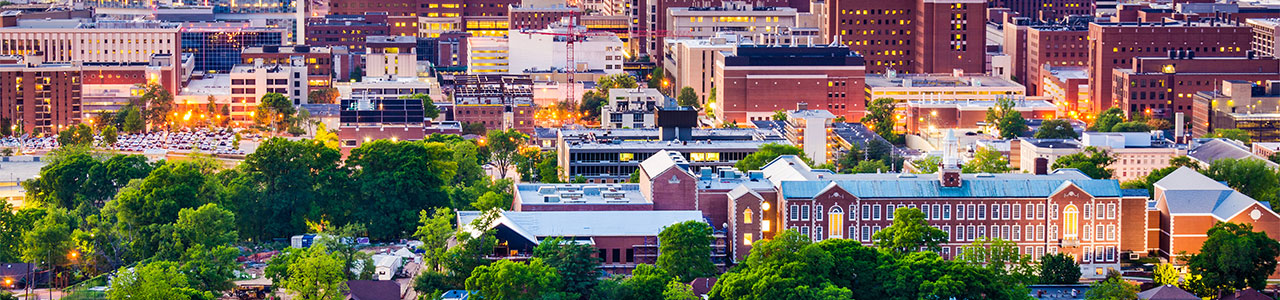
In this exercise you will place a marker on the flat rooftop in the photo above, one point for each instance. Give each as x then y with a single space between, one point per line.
1064 73
642 134
211 84
571 194
683 146
535 224
979 104
939 80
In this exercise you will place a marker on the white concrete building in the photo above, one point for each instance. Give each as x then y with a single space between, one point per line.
631 108
542 50
250 82
739 17
488 55
808 128
391 56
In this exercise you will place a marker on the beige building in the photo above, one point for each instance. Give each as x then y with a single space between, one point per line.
690 62
250 82
488 55
1027 150
631 108
1264 35
1136 153
738 17
391 56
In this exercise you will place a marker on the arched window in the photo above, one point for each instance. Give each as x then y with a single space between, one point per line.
1070 222
746 216
836 220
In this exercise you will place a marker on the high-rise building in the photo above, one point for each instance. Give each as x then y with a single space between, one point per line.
69 41
217 47
319 61
1045 10
1115 45
918 36
1162 86
754 81
499 102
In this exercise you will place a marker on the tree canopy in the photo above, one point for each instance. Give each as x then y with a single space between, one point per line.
1234 257
1252 177
685 250
1092 161
909 232
987 160
1006 119
880 119
1056 129
766 154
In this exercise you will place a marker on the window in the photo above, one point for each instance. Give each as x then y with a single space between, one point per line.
924 209
959 211
804 230
604 255
1098 211
1017 233
1053 232
1111 232
817 212
853 232
804 212
971 214
795 212
852 213
617 255
971 232
1031 208
982 211
982 231
1039 232
631 255
1111 253
875 212
1053 211
947 229
817 233
1087 232
946 212
946 252
1039 251
866 212
1099 232
1070 221
746 216
866 233
1088 254
1004 233
936 211
836 222
1004 211
1040 211
888 211
1028 250
1111 211
1084 211
1017 211
746 239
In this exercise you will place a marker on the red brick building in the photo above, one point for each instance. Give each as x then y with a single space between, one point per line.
755 81
1115 45
536 18
500 102
1053 46
915 36
1045 10
1188 204
1162 86
351 30
921 115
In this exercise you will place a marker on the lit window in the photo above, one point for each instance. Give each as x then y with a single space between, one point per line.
746 239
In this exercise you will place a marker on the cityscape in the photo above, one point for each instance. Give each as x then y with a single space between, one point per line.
639 149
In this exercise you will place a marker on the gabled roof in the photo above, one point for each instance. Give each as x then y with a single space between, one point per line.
1189 192
971 187
663 160
1246 294
1167 292
787 168
536 224
741 190
1215 149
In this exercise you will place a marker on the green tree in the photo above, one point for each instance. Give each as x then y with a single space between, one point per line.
780 115
646 282
687 97
1056 129
398 179
79 135
1166 274
284 183
503 148
156 280
767 153
1107 119
12 227
679 291
656 77
909 233
1007 119
315 275
925 275
274 110
880 118
1002 258
132 120
508 280
987 160
211 269
1059 268
431 282
147 208
1249 176
64 182
685 250
339 244
49 240
434 232
927 165
491 200
1133 126
574 262
158 102
429 107
1112 288
1231 133
323 96
549 168
1092 161
1234 257
869 166
459 261
467 155
789 266
109 135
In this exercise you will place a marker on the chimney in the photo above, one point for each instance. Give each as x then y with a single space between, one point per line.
1042 166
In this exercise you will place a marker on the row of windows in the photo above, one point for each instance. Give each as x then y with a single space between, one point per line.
1091 254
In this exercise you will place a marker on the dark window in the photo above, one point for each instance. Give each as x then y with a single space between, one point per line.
631 255
617 255
602 254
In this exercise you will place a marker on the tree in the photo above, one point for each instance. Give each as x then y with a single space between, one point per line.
339 243
508 280
158 102
1002 258
767 153
927 165
1107 119
687 97
12 228
1166 274
429 107
156 280
685 250
467 155
211 268
357 74
987 160
398 179
323 96
1249 176
549 168
49 239
1112 288
1159 124
679 291
147 208
208 226
591 103
615 81
789 266
1006 119
274 110
869 166
1231 133
1234 257
909 233
574 262
1059 268
503 147
315 275
491 200
656 77
1056 129
77 135
109 135
284 183
434 232
132 120
326 136
1092 162
780 115
880 118
1132 126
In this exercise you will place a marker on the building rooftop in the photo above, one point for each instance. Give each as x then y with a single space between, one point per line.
1189 192
979 104
570 194
1053 143
287 49
211 84
652 134
1209 150
1064 73
695 145
540 224
938 80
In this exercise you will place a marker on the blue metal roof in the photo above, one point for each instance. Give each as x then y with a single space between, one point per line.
969 188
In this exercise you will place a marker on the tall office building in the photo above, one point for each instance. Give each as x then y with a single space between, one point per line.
917 36
217 46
